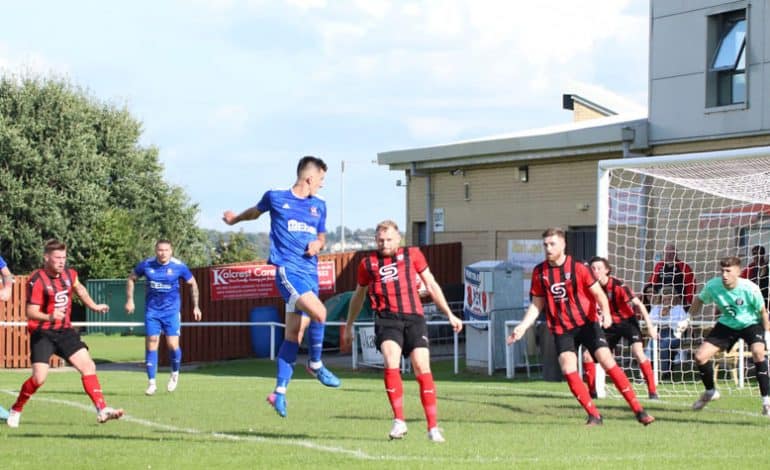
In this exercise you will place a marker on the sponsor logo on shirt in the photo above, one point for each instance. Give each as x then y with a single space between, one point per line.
285 205
297 226
60 299
389 272
155 285
559 292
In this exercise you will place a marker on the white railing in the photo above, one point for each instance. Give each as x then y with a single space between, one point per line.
274 325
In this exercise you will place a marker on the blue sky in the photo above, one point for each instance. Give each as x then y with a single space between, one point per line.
234 92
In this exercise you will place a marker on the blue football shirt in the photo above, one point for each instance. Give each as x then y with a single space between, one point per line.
294 223
2 263
162 295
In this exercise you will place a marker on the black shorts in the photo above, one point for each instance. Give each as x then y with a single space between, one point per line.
64 343
724 337
628 329
409 331
590 336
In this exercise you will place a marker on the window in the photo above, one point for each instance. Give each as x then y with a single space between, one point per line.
727 67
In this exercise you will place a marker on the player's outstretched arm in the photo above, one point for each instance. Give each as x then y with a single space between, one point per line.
354 308
82 294
533 311
194 297
604 304
695 307
130 282
439 299
230 218
651 328
5 291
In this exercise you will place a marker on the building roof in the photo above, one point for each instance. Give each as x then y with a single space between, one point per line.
596 136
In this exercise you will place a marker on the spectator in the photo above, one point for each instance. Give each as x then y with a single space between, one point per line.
757 271
672 320
672 271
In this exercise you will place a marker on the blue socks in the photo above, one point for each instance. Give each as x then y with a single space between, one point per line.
316 340
287 356
151 362
175 358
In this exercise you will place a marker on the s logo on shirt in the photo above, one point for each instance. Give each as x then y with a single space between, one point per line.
60 299
559 292
388 272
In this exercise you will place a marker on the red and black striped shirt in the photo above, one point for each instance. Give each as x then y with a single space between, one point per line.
620 297
391 280
566 290
51 293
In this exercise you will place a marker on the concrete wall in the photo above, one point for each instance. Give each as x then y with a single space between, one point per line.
679 59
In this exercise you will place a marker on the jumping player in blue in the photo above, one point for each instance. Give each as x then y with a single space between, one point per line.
297 235
5 294
162 308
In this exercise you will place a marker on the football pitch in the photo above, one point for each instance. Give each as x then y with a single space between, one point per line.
218 418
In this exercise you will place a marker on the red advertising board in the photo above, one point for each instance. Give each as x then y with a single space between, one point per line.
258 281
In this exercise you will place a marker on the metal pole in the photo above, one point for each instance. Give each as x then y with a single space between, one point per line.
342 205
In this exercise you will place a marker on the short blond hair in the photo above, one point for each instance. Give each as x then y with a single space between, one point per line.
386 224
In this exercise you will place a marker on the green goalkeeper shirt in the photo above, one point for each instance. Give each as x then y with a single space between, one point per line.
740 306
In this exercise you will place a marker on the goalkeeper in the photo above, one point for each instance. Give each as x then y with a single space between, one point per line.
742 315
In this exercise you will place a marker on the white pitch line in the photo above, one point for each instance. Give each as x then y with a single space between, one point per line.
357 453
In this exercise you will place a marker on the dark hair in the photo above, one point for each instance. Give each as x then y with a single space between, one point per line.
729 261
163 241
308 160
604 261
551 231
53 245
758 250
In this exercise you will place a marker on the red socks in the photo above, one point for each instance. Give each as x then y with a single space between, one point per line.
428 398
624 387
395 390
27 390
646 367
580 391
94 390
589 376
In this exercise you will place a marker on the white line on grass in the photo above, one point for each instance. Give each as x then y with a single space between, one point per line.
359 454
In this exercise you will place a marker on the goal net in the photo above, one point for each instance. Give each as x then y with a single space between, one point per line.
684 212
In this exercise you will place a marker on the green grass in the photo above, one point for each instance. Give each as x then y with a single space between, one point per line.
115 348
218 419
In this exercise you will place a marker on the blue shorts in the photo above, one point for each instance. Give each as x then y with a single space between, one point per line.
293 284
169 323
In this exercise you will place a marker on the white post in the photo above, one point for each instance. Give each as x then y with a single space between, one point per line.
602 227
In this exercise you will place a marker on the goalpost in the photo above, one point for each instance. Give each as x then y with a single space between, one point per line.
706 206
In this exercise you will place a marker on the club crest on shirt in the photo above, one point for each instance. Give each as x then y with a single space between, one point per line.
567 276
314 211
169 271
738 301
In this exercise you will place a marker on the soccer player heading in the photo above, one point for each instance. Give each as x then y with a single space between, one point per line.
743 315
671 271
297 235
162 308
387 276
624 307
568 293
49 306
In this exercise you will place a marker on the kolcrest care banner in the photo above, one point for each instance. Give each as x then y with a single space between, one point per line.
252 281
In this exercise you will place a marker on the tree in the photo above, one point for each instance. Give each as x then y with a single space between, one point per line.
71 167
234 248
